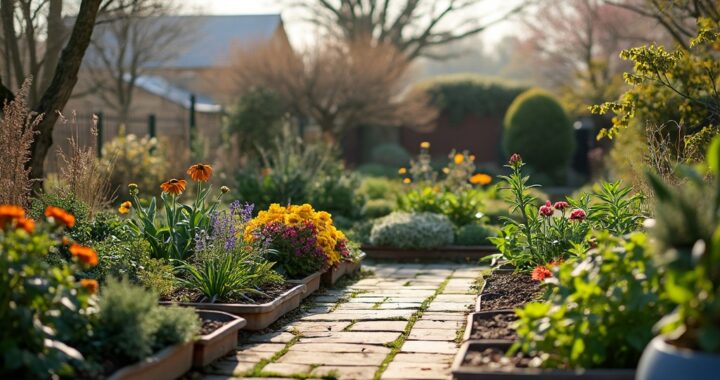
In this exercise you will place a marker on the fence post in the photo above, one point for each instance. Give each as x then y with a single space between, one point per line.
99 136
193 126
152 131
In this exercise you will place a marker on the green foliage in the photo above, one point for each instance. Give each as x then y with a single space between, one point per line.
616 209
120 259
137 160
688 233
390 154
461 208
82 231
335 191
412 230
600 309
172 237
474 234
379 188
256 119
458 96
130 325
377 170
537 128
41 310
376 208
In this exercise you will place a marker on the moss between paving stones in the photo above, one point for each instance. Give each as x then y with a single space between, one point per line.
397 344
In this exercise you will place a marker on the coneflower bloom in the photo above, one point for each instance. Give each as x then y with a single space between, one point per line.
174 186
200 172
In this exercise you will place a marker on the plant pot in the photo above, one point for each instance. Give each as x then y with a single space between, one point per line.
452 253
461 371
220 342
474 317
335 273
311 282
478 304
258 316
169 364
661 361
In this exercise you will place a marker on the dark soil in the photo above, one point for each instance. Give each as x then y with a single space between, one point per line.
271 292
509 291
496 327
209 325
495 359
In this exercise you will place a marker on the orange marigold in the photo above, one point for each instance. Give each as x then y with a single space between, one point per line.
60 216
85 254
480 179
200 172
26 224
125 207
174 186
8 213
459 158
540 273
90 285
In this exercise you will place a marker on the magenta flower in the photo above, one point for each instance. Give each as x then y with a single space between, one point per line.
561 205
578 214
546 209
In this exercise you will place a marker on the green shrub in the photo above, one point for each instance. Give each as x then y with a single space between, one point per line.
377 170
537 128
412 230
461 207
335 191
474 234
601 308
136 160
376 208
380 188
174 325
256 119
390 154
119 259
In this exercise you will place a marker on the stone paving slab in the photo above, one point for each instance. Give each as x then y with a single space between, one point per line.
359 337
339 348
360 359
432 334
358 315
449 306
429 347
347 372
274 337
382 306
317 326
398 326
400 370
244 349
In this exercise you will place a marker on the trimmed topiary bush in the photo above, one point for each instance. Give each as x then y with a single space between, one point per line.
376 208
412 230
390 154
537 127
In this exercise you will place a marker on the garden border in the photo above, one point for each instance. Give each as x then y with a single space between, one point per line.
208 348
167 364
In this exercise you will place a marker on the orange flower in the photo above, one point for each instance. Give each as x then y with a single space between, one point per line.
174 186
425 145
459 158
90 285
8 213
407 181
200 172
540 273
85 254
480 179
60 216
26 224
125 207
66 240
402 171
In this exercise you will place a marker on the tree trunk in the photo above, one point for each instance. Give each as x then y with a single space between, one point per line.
61 86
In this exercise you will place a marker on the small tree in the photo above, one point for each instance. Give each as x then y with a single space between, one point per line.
537 127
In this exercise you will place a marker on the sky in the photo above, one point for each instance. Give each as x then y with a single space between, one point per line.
301 33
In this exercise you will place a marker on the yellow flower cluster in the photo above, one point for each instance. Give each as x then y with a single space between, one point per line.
293 215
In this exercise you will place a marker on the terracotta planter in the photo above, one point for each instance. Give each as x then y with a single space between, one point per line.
220 342
662 361
334 274
466 372
257 316
478 304
169 364
311 282
473 317
453 253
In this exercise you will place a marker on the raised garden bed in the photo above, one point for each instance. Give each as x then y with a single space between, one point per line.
453 253
334 274
311 282
487 360
494 325
167 364
258 316
219 336
508 292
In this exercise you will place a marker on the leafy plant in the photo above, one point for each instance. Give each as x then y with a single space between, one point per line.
172 237
474 234
600 308
140 160
412 230
687 228
616 209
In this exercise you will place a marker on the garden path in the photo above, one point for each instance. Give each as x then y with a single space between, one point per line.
400 322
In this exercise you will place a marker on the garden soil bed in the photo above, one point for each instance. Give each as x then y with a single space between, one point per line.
258 315
494 325
311 282
452 253
487 360
508 292
167 364
218 336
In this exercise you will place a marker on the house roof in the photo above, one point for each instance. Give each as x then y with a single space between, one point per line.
161 87
207 39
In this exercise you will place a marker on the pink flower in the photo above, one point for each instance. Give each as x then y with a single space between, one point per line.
561 205
547 209
578 214
515 159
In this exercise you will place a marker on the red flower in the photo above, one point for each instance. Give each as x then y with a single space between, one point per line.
60 216
578 214
547 209
561 205
515 159
540 273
